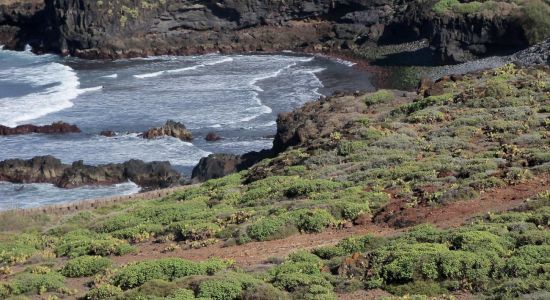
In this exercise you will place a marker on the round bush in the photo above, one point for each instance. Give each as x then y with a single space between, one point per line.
220 289
104 291
86 266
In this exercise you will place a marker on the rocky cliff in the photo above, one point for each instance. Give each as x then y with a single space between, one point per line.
127 28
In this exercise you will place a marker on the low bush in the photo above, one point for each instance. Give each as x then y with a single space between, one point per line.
24 283
79 243
220 289
314 221
380 96
166 269
86 266
272 227
104 291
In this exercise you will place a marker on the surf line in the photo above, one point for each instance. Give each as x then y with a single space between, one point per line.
159 73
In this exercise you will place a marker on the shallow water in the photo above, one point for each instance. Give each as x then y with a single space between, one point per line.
237 96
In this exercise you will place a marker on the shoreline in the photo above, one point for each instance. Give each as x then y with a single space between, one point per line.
93 203
344 57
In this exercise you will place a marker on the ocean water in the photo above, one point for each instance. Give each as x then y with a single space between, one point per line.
236 96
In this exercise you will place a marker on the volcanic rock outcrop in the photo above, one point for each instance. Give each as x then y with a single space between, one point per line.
171 128
54 128
218 165
48 169
114 29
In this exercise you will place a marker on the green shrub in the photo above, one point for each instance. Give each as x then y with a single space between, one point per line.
138 233
329 252
228 285
153 288
194 232
444 6
167 269
36 283
220 289
380 96
536 23
79 243
427 115
305 187
182 294
85 266
351 211
270 228
104 291
264 292
314 221
4 290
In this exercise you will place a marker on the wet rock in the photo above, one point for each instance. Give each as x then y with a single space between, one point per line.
212 137
54 128
170 128
107 133
48 169
40 169
219 165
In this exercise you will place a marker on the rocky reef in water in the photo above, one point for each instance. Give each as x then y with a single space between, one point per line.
48 169
170 128
124 28
54 128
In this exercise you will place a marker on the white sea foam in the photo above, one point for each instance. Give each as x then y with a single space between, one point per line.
61 85
159 73
184 69
149 75
91 89
111 76
221 61
345 62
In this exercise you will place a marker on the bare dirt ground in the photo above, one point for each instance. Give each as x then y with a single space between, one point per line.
457 213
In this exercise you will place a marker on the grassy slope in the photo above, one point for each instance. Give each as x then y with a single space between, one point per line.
474 134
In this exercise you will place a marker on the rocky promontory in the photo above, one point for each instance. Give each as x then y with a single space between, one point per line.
48 169
54 128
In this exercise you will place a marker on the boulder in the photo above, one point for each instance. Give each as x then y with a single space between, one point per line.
212 137
107 133
40 169
54 128
219 165
170 128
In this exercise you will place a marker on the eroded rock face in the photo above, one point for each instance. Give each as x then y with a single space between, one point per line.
171 128
48 169
90 29
54 128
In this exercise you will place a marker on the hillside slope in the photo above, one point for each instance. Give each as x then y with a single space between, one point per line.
468 154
